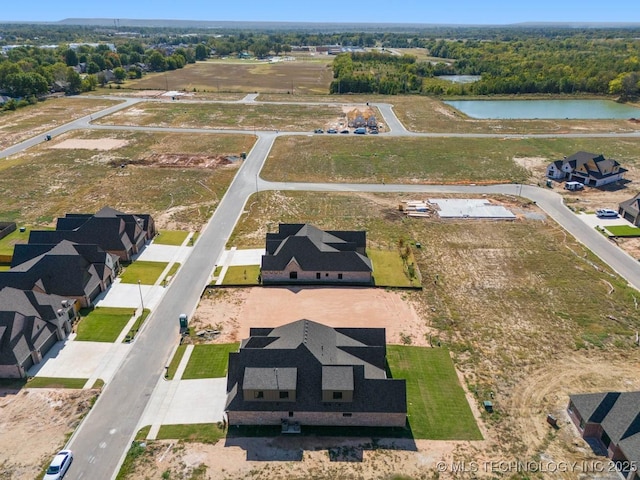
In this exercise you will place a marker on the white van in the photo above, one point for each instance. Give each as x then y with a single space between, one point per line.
606 213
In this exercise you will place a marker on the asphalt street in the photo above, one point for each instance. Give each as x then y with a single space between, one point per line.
103 438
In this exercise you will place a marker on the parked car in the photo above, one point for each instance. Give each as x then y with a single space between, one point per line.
360 131
332 130
374 131
318 130
606 213
59 465
573 186
344 131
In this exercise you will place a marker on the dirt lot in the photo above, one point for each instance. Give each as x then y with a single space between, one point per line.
234 311
34 424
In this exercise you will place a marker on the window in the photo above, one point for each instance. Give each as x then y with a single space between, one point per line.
347 414
258 394
318 276
337 395
293 275
284 395
339 276
291 414
326 274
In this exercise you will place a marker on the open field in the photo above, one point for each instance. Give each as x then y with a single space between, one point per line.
428 160
72 180
298 118
27 122
309 75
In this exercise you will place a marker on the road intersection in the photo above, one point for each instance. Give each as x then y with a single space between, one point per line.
102 440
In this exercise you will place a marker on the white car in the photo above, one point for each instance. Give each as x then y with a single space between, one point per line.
59 465
606 213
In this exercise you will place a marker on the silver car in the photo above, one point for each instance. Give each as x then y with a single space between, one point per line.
59 465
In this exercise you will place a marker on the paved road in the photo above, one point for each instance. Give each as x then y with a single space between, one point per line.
102 440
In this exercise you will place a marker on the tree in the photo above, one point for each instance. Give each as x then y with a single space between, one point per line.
157 62
74 82
201 52
120 74
70 57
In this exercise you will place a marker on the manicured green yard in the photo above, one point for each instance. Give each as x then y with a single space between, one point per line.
170 237
103 324
389 269
209 361
197 432
437 406
4 268
175 361
137 325
624 231
7 243
242 275
52 382
145 272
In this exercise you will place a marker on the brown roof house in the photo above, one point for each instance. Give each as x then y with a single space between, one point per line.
30 324
612 421
587 168
75 271
306 373
630 210
122 234
304 254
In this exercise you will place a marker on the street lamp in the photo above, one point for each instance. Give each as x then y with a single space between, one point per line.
141 300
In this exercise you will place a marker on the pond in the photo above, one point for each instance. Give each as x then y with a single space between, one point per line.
545 109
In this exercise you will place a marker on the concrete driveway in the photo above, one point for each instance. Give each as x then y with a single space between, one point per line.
594 221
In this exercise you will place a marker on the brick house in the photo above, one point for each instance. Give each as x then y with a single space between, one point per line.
613 420
304 254
310 374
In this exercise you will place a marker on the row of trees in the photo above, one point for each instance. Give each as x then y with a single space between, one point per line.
535 65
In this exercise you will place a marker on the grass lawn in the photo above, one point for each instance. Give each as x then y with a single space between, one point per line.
389 270
437 406
52 382
624 231
175 361
172 271
170 237
103 324
137 325
4 268
242 275
197 432
10 241
209 361
145 272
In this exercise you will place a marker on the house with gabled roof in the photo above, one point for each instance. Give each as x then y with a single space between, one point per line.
304 254
30 324
587 168
75 271
122 234
630 210
306 373
613 420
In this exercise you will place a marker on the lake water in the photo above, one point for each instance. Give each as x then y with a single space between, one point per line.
545 109
460 78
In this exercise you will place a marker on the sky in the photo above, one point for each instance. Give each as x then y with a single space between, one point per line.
465 12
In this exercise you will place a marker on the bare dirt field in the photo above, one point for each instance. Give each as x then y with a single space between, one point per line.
234 311
34 425
89 144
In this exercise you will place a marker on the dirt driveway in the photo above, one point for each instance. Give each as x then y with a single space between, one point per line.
234 311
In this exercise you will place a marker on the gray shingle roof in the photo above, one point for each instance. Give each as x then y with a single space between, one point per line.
257 378
618 414
322 356
316 250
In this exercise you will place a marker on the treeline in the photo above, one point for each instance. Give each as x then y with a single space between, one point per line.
535 65
28 73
